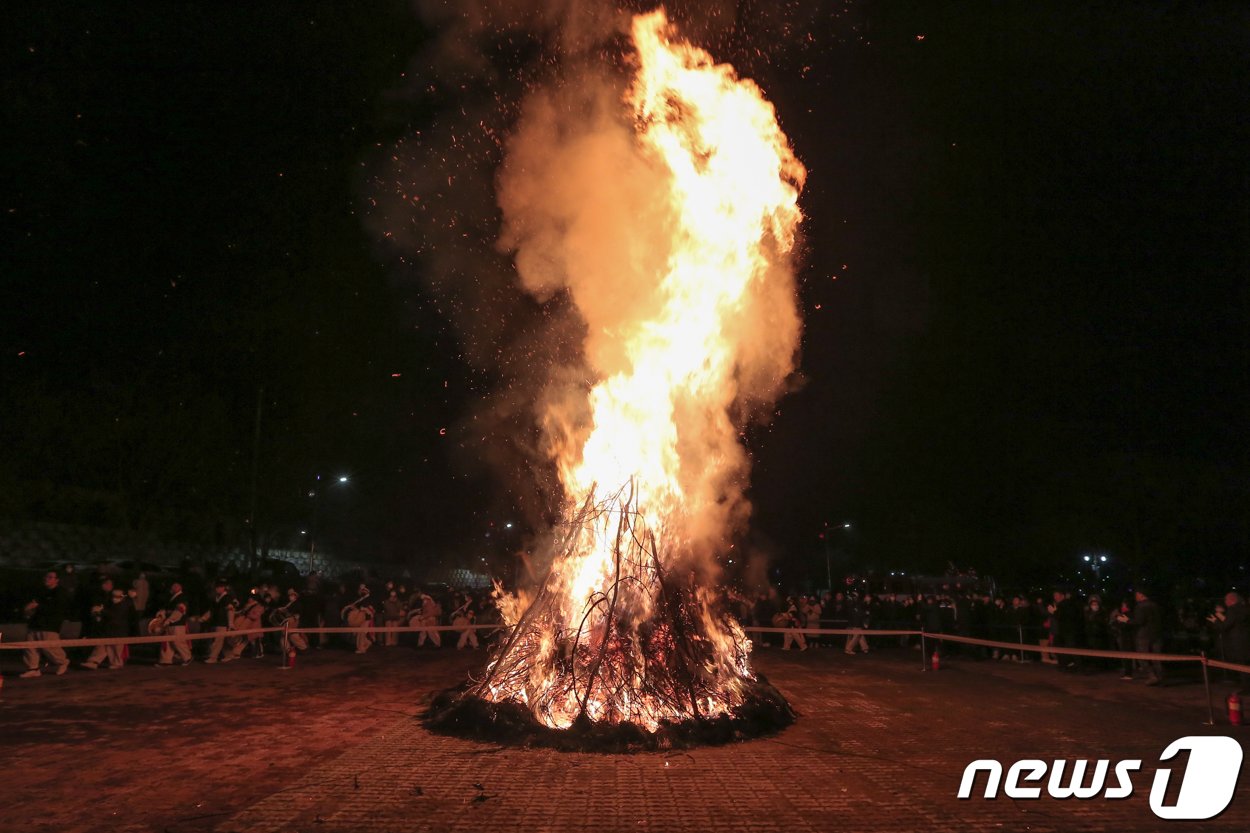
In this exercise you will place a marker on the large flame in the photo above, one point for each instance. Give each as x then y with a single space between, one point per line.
654 476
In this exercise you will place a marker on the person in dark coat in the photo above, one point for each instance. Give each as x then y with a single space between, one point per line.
860 619
1233 626
1148 635
1121 624
219 616
1068 627
1097 627
46 613
114 624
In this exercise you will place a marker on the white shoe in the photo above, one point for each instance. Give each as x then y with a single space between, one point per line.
34 672
62 668
228 659
211 660
92 665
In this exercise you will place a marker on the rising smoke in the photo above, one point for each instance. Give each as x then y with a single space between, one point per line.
527 210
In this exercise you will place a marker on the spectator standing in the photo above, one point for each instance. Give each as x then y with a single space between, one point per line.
1148 635
392 617
1233 626
764 611
1097 627
142 593
1066 626
45 614
814 614
1121 625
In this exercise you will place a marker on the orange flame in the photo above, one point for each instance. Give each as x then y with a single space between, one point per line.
709 335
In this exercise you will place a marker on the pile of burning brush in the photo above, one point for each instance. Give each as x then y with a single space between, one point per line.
649 661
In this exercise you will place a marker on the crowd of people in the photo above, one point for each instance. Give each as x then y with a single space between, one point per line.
1061 619
389 613
377 613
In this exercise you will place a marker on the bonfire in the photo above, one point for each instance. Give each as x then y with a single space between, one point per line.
624 639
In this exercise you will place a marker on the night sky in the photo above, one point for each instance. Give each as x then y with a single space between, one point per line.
1024 281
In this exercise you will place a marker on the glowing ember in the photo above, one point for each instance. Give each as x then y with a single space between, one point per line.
623 628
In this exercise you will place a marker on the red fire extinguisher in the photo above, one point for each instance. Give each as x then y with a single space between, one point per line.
936 662
1234 709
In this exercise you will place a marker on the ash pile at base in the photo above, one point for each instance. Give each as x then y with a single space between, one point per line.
458 712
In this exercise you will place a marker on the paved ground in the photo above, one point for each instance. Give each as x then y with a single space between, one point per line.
333 745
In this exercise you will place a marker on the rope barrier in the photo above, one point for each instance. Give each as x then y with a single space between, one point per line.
1011 646
131 640
371 629
201 635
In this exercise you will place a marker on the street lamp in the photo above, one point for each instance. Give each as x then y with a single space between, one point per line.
825 536
1096 562
316 499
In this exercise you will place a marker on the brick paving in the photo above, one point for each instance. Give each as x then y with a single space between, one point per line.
334 745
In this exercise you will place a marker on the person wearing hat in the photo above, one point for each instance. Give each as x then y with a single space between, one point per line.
218 616
114 624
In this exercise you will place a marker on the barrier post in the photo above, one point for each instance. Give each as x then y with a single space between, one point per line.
924 654
1206 683
1020 639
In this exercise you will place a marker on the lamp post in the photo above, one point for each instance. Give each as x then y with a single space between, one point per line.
1096 561
315 494
825 535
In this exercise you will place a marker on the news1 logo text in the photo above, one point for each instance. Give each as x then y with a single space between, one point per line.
1205 791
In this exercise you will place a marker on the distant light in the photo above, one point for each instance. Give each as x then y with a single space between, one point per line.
343 478
312 494
1102 558
508 525
846 526
303 532
1087 558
